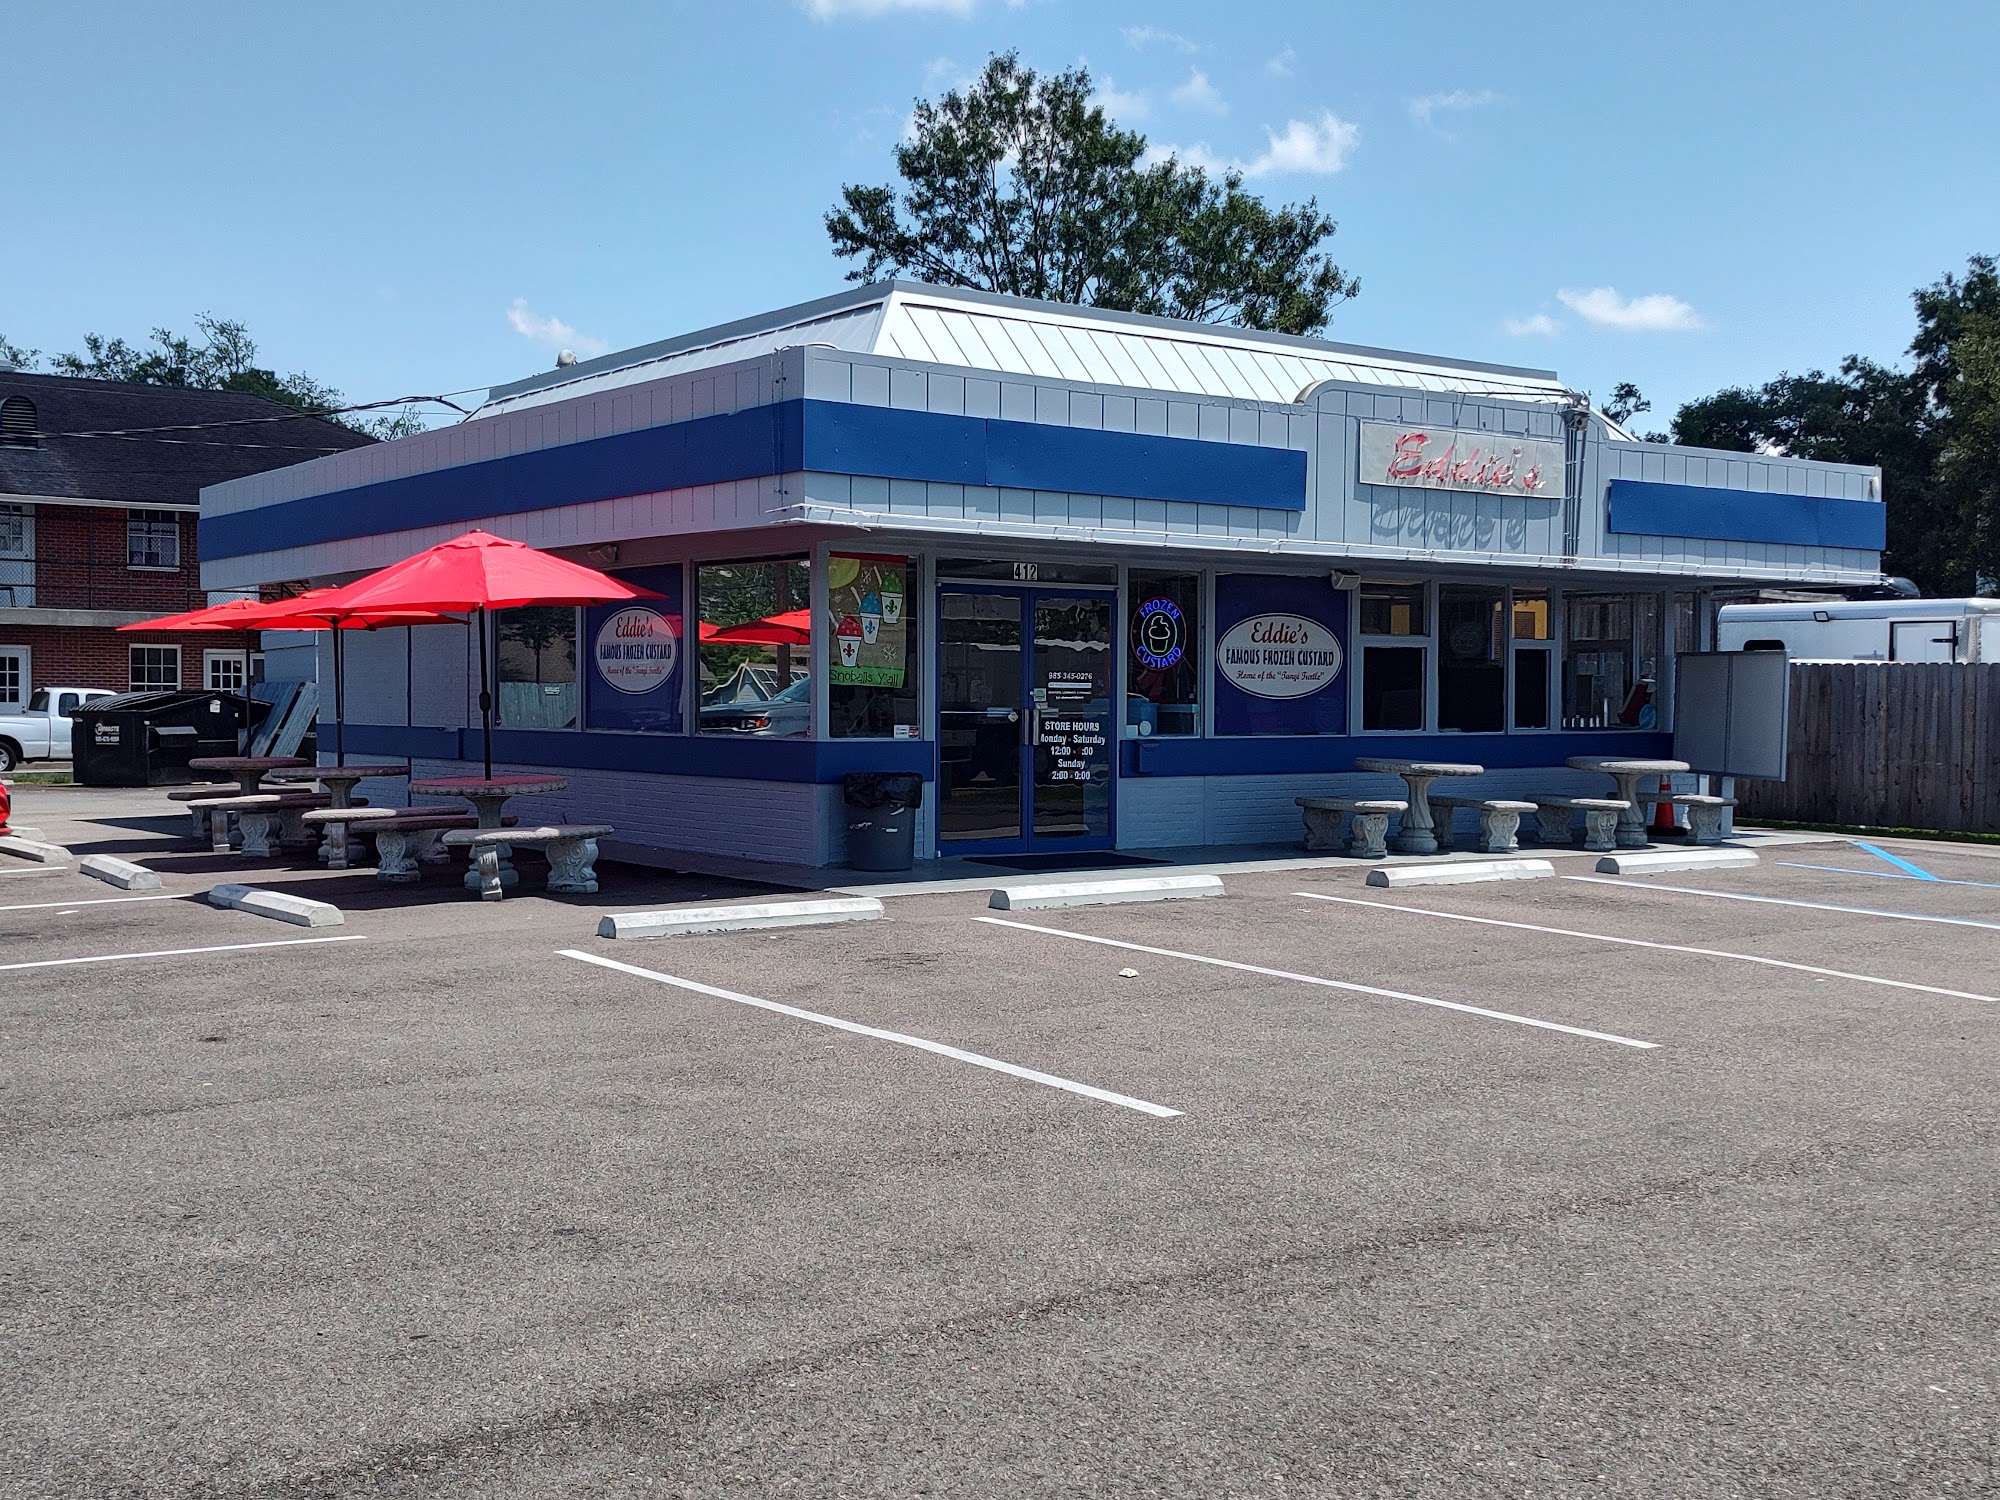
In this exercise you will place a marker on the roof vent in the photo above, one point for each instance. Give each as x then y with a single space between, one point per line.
565 359
18 426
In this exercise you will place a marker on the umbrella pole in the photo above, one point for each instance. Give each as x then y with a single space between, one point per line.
485 697
339 700
246 697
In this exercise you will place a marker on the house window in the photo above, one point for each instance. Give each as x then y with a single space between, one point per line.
17 556
222 671
152 539
1395 656
155 668
13 675
18 425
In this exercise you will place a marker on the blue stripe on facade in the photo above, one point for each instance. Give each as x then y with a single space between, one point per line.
1289 755
1641 507
791 436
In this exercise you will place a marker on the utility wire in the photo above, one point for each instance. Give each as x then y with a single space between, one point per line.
288 416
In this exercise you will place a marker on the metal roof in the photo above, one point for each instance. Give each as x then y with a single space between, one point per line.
1019 336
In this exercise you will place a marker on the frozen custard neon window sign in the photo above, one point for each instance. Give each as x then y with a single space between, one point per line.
1159 635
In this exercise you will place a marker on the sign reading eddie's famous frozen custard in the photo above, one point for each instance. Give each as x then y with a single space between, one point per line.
1278 656
636 650
1451 458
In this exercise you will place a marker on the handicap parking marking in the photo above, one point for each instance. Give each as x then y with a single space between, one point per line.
940 1049
1913 871
1602 937
111 958
1793 864
1332 984
1642 884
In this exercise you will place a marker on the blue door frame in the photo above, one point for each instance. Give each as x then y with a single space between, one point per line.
1029 842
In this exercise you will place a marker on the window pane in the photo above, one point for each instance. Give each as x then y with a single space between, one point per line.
1162 668
1531 688
755 624
152 539
537 666
1531 616
1472 662
1392 687
1684 626
1393 609
1603 687
871 666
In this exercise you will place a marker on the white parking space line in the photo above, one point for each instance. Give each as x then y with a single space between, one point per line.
100 901
1331 984
958 1054
1601 937
1853 911
112 958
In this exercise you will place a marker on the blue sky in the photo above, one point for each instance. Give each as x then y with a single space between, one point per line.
405 198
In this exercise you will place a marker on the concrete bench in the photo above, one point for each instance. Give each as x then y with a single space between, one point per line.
1704 815
260 813
405 837
1369 838
1553 815
571 848
198 798
1499 821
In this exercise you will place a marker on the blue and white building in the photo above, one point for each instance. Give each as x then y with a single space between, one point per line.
1105 581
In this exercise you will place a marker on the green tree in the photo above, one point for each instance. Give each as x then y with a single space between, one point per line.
1625 403
1934 430
1019 184
13 354
222 358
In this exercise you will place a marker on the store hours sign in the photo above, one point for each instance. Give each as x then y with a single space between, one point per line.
1452 458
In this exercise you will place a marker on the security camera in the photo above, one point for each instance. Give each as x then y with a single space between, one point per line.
1345 578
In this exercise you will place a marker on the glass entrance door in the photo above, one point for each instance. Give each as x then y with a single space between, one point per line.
1025 737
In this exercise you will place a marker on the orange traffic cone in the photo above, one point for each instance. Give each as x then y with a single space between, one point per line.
1663 810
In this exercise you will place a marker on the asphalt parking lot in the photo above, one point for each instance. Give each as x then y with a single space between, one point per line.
1674 1186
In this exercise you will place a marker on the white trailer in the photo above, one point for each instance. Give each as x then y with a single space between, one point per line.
1962 630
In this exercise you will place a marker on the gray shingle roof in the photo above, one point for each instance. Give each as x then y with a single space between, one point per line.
158 468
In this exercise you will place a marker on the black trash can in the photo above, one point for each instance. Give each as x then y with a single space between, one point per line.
882 818
147 739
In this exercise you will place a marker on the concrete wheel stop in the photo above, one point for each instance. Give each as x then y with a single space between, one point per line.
687 921
280 907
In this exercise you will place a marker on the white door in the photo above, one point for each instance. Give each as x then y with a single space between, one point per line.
14 680
1923 640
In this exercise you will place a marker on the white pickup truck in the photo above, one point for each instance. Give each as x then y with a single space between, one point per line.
41 730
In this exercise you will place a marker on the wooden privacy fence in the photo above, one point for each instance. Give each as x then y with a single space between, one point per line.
1890 745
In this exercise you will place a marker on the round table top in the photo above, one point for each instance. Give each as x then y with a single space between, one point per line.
245 762
487 786
1612 765
340 773
1415 767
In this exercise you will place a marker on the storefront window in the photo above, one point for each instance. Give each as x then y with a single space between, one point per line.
756 623
537 666
1393 677
871 668
1472 658
1163 667
1533 651
1610 661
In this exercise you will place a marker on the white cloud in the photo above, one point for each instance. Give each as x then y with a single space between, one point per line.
1141 37
1199 93
1654 313
1424 108
1120 105
552 332
1541 325
1281 65
833 10
1319 147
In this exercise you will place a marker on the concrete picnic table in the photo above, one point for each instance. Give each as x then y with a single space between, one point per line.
489 796
247 770
1418 834
339 782
1627 774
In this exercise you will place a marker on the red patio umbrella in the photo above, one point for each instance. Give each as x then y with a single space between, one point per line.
478 572
229 615
791 628
309 611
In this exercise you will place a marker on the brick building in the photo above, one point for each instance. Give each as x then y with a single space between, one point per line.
100 487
